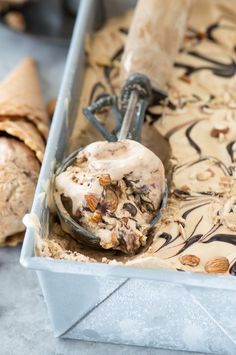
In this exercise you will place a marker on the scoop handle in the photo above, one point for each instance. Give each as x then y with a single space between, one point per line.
154 39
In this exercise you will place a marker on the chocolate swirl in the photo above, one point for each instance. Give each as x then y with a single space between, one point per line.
219 68
226 238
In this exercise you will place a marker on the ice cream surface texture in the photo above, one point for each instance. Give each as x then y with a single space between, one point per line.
115 190
197 231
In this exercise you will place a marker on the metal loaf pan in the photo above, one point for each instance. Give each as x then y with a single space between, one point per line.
119 304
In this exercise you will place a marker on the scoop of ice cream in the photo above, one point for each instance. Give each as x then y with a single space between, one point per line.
114 191
19 171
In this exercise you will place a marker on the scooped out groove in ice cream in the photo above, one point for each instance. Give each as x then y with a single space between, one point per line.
114 190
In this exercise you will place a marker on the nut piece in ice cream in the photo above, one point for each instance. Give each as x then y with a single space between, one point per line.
19 171
110 201
218 265
97 216
117 189
190 260
105 180
205 175
91 202
220 128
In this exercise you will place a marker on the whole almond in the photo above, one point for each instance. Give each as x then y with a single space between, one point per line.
92 202
205 175
190 260
103 61
114 238
218 265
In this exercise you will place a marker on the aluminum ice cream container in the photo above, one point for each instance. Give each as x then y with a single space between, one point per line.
115 303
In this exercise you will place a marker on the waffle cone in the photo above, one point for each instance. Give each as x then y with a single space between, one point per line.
26 132
20 96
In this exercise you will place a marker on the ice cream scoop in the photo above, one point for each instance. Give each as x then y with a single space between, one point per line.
113 189
110 194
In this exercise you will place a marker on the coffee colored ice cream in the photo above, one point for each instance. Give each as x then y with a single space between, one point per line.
197 231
